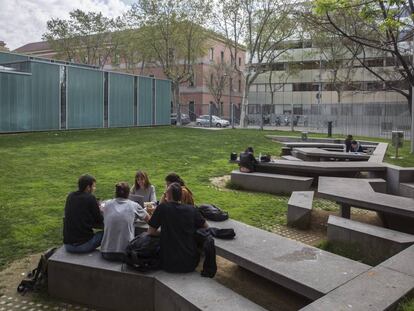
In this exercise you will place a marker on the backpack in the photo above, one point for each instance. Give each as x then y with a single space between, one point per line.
37 278
212 212
143 253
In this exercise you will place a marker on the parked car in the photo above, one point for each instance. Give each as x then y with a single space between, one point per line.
204 120
185 119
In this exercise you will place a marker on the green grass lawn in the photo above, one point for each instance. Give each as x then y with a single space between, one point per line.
38 170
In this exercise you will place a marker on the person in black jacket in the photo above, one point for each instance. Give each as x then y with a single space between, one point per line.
247 161
82 214
348 142
178 223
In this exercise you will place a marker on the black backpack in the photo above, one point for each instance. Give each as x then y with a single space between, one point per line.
143 253
37 278
212 212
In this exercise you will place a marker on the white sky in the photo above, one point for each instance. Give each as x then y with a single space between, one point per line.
24 21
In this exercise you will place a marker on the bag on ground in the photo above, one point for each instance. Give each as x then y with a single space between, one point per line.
212 212
37 278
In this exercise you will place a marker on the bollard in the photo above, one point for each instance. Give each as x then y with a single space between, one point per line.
329 128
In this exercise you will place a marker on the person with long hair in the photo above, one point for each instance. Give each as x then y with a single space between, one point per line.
186 196
142 186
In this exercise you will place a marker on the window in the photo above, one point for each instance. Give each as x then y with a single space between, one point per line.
239 61
239 85
211 54
211 79
222 57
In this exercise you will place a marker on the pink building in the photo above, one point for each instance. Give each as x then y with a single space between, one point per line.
195 96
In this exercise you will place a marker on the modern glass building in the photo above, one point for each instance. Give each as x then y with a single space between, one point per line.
39 94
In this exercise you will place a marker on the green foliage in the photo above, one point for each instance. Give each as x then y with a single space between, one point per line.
406 305
85 37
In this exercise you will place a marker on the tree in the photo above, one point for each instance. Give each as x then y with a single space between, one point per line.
3 46
218 77
262 25
174 35
89 38
131 51
381 27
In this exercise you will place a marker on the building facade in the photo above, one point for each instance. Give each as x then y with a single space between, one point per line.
195 96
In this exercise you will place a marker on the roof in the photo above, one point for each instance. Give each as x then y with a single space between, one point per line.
34 47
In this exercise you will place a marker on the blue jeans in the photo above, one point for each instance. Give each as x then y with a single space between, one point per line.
86 247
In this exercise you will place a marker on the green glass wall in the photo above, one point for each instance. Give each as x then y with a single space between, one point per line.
121 100
145 101
84 98
10 57
15 103
45 96
162 102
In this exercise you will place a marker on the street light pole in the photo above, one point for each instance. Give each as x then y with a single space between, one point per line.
231 105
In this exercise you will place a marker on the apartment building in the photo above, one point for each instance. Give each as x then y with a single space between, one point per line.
302 77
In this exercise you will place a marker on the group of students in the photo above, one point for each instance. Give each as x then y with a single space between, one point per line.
175 215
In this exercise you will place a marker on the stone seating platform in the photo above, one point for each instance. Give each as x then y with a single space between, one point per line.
407 189
317 154
396 212
89 279
373 242
270 183
290 157
306 270
300 209
304 168
378 154
379 288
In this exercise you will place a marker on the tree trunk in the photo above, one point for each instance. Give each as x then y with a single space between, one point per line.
176 101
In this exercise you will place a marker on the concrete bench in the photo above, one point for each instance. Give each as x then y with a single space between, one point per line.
270 183
379 153
407 189
300 209
374 243
306 270
380 288
291 158
321 168
89 279
396 212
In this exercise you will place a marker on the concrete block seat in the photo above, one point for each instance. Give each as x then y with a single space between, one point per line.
300 209
378 154
270 183
407 189
89 279
397 212
304 168
291 158
375 243
380 288
306 270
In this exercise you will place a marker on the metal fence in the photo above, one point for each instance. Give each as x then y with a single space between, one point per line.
365 119
38 94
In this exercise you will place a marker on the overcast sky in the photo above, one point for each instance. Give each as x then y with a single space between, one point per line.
24 21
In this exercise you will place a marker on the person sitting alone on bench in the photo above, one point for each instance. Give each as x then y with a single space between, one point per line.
178 222
82 214
356 146
119 216
247 161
